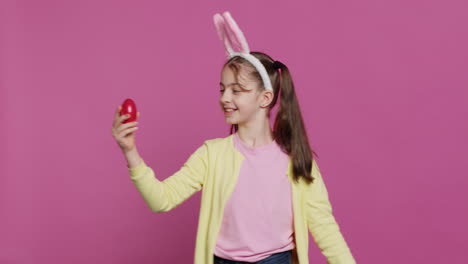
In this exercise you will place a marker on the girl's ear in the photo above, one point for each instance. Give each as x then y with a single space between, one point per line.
230 34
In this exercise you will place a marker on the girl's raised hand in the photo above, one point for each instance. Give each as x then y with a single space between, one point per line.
124 134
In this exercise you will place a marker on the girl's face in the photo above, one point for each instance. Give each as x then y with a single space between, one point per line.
243 98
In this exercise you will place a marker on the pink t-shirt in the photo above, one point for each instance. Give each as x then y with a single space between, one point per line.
258 216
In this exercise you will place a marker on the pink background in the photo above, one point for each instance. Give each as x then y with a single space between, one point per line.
383 92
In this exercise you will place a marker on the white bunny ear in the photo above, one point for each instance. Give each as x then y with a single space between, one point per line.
235 33
230 34
222 34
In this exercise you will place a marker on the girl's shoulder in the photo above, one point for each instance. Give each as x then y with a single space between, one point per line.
219 142
220 147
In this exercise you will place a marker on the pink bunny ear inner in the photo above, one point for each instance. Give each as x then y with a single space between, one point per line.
236 37
222 33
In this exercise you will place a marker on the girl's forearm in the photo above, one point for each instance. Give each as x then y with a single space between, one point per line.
133 158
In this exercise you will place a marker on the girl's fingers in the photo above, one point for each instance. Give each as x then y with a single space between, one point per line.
123 117
123 126
127 131
117 111
117 116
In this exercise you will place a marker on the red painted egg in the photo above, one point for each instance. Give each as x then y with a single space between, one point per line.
129 107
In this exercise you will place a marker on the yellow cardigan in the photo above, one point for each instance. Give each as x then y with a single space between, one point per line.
214 167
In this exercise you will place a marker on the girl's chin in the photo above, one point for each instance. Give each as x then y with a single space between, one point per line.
230 121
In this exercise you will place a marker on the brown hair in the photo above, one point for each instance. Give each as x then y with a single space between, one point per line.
289 130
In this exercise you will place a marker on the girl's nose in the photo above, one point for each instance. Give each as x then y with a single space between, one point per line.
225 97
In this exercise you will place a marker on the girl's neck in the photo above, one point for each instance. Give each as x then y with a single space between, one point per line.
255 137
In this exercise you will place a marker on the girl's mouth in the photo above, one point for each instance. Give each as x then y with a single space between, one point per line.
229 112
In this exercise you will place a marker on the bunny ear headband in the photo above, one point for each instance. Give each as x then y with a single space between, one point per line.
235 44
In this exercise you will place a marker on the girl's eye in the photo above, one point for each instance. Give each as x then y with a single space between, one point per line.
235 91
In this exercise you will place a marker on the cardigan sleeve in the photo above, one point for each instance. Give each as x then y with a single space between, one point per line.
165 195
322 224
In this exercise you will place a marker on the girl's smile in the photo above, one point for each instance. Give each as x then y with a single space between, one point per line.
229 112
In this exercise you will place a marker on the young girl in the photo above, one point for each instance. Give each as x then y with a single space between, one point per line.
262 189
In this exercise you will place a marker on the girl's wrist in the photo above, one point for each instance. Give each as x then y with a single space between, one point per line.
132 157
